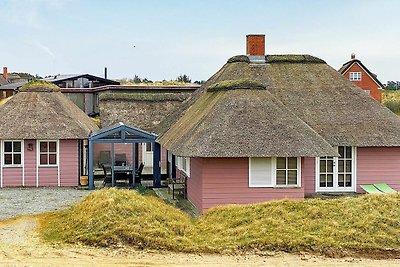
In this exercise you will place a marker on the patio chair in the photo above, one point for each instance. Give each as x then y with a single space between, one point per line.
371 189
107 174
177 185
385 188
138 174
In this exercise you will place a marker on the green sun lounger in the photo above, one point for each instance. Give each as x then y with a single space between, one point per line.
385 188
371 189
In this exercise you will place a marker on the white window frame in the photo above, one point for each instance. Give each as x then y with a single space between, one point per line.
273 175
335 187
183 164
355 76
3 165
57 154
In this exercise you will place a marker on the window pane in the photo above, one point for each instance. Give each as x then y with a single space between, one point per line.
292 163
341 180
281 163
329 166
17 146
341 151
292 177
149 147
329 180
341 165
52 159
348 152
52 146
17 158
43 146
348 165
7 146
348 179
43 159
281 177
8 159
322 180
322 166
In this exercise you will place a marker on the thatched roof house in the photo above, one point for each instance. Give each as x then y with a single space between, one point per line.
314 92
41 111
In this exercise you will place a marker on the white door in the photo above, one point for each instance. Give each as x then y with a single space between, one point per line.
147 154
337 174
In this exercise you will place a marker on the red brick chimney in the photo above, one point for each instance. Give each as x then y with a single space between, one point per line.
255 44
5 73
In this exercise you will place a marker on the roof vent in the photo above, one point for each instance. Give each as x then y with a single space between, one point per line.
255 48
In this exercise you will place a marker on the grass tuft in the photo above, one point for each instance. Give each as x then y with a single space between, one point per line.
39 86
362 226
235 84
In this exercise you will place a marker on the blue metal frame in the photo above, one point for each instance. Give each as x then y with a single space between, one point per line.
145 137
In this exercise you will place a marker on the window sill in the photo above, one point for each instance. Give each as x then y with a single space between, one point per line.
287 186
47 166
12 166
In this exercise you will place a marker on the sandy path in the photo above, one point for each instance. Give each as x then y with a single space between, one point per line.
20 246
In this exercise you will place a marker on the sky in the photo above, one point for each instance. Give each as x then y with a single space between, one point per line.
163 39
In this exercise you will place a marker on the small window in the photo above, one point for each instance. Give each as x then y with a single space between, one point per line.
260 173
184 164
286 171
48 152
12 153
355 76
149 147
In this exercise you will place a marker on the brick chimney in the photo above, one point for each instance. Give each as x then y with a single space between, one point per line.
255 47
5 73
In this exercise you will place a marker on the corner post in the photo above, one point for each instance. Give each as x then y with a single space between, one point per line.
90 161
157 165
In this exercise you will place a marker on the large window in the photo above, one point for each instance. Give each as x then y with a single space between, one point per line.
12 151
355 76
271 172
48 153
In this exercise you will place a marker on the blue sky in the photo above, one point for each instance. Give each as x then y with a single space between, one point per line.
163 39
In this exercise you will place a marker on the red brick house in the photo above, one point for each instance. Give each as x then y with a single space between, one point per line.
356 72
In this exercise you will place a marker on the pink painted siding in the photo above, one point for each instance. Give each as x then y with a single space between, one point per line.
69 163
194 183
308 174
378 165
48 176
226 181
30 163
12 176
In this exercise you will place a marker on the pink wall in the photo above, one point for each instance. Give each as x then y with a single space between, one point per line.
378 165
30 163
308 174
194 183
47 176
226 181
69 163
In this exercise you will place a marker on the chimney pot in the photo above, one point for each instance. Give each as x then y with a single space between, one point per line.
105 73
255 45
5 73
353 56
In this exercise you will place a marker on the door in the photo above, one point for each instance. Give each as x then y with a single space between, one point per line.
147 154
337 174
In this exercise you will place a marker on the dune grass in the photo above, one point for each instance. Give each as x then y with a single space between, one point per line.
367 225
391 100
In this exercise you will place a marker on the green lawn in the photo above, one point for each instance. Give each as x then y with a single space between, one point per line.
366 226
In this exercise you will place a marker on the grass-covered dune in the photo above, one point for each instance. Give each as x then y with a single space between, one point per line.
367 225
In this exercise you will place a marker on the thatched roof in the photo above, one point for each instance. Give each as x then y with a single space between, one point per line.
315 93
40 111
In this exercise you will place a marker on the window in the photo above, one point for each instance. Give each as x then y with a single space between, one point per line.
286 171
48 152
270 172
355 76
12 153
184 164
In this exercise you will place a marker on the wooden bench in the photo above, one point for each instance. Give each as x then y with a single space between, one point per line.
177 185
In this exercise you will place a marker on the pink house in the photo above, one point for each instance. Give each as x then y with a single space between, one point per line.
268 127
42 134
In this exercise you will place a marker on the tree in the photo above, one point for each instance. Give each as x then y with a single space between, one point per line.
200 82
183 78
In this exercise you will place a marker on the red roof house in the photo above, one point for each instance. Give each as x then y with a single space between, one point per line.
356 72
